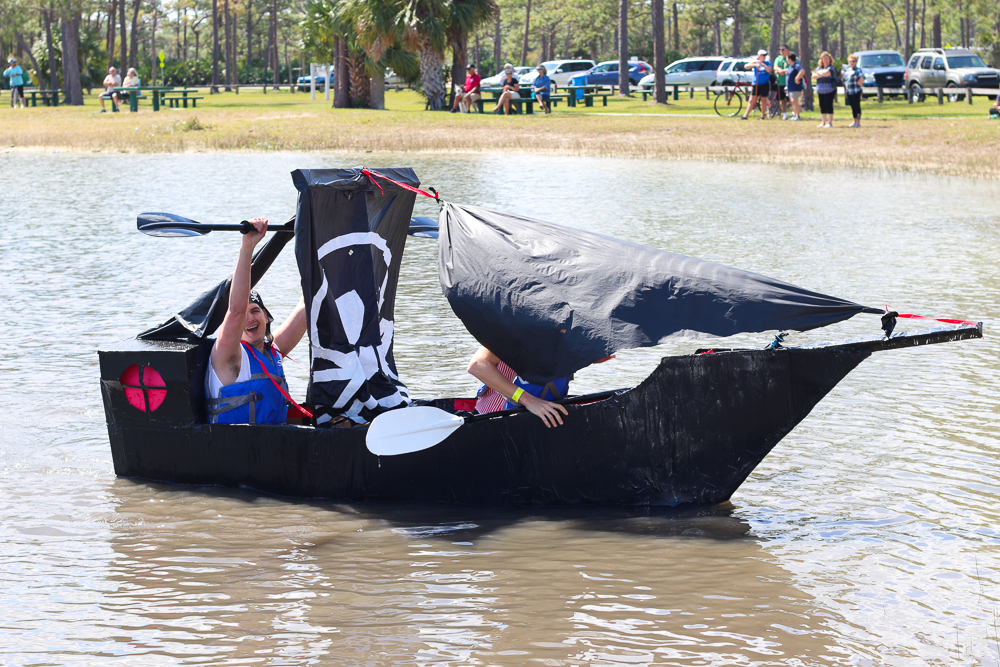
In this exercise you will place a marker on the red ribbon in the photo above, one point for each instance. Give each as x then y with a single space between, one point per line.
275 382
372 174
910 316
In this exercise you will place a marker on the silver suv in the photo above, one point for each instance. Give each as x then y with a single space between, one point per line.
948 68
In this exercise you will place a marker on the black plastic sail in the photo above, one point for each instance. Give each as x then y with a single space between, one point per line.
550 300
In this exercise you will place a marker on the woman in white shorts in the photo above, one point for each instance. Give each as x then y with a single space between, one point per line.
510 86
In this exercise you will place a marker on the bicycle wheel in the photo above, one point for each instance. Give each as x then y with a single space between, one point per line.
729 103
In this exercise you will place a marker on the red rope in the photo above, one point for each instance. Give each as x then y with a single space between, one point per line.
910 316
275 382
372 174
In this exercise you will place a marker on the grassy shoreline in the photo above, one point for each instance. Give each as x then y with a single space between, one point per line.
895 136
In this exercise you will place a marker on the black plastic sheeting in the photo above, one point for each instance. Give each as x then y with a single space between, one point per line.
550 300
349 239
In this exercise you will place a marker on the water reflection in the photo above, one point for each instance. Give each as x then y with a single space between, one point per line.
209 573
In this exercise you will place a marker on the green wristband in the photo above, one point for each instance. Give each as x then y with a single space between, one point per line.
516 395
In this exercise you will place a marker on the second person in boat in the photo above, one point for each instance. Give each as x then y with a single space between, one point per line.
503 390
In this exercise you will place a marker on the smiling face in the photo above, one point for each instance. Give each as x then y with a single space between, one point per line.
256 325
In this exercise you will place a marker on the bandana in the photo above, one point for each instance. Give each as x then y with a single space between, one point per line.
255 298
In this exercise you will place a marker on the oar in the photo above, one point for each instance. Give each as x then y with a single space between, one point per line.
413 429
170 224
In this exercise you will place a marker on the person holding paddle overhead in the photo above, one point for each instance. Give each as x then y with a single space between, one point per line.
503 390
245 383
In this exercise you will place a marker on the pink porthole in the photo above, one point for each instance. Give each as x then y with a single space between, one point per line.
144 387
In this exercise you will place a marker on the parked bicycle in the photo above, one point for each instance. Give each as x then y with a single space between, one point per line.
729 102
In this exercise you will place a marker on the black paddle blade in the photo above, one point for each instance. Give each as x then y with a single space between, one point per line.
168 224
423 227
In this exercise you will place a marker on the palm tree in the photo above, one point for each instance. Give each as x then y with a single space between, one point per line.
426 31
464 17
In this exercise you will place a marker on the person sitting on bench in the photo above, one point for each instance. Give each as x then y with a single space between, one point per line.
111 81
510 86
131 81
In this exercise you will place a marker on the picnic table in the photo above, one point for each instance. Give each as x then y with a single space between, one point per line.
49 97
133 99
587 94
528 102
177 98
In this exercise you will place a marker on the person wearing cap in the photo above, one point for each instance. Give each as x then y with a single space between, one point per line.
465 97
245 383
511 87
541 87
111 81
761 84
16 76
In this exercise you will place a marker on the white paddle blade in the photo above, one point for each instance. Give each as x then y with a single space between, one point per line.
410 430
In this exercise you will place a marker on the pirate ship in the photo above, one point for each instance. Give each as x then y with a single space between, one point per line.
546 299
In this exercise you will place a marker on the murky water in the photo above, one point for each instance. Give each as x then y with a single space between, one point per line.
869 536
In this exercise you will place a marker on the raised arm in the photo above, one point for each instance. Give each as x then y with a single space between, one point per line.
226 350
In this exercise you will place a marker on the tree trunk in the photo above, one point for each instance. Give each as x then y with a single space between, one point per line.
111 32
133 43
776 29
545 45
431 76
459 47
226 20
124 36
31 55
377 94
923 23
737 33
824 38
497 46
623 82
527 25
844 51
341 80
717 41
805 52
906 30
152 43
360 84
936 30
71 58
273 54
677 34
215 47
47 18
659 54
569 30
477 56
249 35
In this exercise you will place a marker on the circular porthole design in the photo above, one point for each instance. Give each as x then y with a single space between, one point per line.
144 387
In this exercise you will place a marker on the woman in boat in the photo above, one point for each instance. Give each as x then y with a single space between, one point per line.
245 383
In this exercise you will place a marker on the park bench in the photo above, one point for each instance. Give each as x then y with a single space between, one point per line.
48 97
178 98
527 102
587 94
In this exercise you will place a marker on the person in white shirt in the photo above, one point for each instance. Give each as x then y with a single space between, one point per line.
111 81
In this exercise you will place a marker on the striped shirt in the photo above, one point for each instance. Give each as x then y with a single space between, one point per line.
490 401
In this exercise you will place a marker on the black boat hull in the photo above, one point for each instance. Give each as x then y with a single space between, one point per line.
690 433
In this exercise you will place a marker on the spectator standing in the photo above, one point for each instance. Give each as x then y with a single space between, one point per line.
131 81
761 84
826 87
111 81
541 86
796 83
467 95
511 87
781 70
854 78
15 75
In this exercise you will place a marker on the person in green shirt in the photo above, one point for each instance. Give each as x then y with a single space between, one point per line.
780 69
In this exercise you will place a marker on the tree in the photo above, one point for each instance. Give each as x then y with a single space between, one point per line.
465 16
804 52
775 29
623 82
215 47
659 54
426 32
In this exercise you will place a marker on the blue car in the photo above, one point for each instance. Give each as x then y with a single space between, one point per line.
882 68
606 74
303 82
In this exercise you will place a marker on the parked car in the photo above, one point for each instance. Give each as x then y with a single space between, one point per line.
494 81
948 68
560 71
606 74
732 70
303 82
687 72
885 69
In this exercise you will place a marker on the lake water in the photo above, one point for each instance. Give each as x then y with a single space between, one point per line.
870 536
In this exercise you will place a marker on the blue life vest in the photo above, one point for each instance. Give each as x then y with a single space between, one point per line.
552 391
256 401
